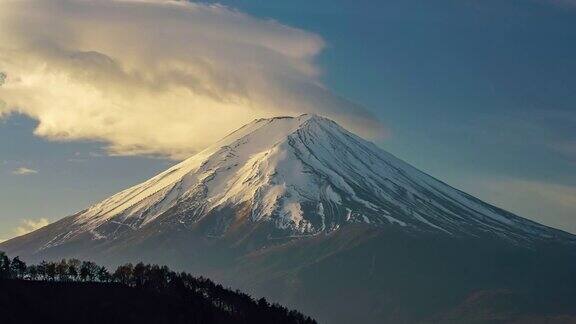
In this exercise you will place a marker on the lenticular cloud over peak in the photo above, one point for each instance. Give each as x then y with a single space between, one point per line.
157 77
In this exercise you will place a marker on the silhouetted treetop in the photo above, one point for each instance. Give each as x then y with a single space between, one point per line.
196 297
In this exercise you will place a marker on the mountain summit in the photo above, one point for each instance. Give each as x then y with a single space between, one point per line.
304 175
281 198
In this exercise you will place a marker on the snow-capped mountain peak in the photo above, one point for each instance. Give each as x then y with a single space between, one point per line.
298 209
304 175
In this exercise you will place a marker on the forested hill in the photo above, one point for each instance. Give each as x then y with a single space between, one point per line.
72 291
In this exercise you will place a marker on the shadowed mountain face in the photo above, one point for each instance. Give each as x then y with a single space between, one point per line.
303 211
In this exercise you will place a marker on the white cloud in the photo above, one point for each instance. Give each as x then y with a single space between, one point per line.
24 171
26 226
157 77
30 225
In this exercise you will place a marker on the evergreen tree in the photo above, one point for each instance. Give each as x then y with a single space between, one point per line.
41 268
18 268
103 275
4 266
88 271
32 272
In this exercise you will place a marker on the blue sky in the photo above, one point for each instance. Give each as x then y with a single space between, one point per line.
481 94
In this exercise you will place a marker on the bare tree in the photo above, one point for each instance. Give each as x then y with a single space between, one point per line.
51 271
74 268
62 270
124 274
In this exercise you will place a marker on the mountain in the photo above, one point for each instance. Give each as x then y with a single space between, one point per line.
305 212
304 176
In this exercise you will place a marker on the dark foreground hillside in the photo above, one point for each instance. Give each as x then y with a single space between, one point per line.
23 301
74 291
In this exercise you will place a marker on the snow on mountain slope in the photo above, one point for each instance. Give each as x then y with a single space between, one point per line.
305 175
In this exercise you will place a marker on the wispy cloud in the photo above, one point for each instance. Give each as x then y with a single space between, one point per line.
27 226
30 225
24 171
158 77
